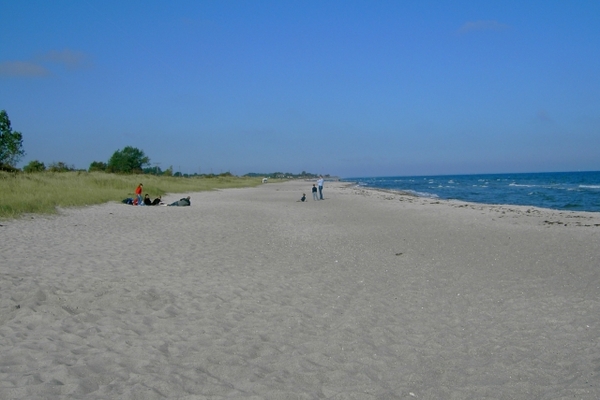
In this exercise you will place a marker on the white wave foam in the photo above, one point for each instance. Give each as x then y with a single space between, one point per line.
521 185
423 194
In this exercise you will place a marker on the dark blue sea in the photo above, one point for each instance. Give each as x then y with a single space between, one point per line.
570 191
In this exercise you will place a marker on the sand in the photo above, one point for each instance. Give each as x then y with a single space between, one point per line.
250 294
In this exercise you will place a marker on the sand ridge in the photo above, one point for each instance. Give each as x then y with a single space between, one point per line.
251 294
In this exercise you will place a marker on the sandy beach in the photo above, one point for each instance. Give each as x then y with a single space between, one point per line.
251 294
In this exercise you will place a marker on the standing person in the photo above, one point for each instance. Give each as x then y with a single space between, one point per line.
138 193
314 192
320 184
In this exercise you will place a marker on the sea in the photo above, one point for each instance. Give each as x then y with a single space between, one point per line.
569 191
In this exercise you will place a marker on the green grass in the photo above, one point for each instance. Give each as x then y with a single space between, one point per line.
43 192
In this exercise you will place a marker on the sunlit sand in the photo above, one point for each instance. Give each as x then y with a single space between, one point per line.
251 294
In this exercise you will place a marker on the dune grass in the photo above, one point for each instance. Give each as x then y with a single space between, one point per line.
43 192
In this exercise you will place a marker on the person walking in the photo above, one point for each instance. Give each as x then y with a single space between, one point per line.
314 192
320 184
138 193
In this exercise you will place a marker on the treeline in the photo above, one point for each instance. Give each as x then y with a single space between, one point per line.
286 175
129 160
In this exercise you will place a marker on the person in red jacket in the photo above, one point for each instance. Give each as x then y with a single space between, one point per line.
138 193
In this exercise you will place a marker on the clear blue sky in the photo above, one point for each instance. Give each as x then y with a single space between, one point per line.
348 88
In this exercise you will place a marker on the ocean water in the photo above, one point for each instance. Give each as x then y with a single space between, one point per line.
572 191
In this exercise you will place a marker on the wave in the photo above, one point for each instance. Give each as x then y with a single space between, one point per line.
422 194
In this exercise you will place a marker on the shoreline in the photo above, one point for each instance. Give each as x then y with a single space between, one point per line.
251 294
546 193
556 215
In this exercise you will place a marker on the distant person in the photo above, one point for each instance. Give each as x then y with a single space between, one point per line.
128 200
320 184
303 198
148 202
314 192
138 194
181 202
157 201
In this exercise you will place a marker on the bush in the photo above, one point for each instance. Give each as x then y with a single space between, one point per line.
60 167
97 166
34 166
8 168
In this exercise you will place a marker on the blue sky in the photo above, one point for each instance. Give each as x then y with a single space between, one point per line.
347 88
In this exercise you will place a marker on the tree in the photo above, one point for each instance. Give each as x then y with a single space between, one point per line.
60 167
34 166
129 160
97 166
11 143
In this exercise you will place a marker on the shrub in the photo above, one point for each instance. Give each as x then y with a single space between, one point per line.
60 167
34 166
97 166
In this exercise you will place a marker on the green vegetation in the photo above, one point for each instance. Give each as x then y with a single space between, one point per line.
34 166
11 144
129 160
43 192
96 166
285 175
60 167
41 189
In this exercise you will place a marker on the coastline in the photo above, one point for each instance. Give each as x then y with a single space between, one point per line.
249 293
564 191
